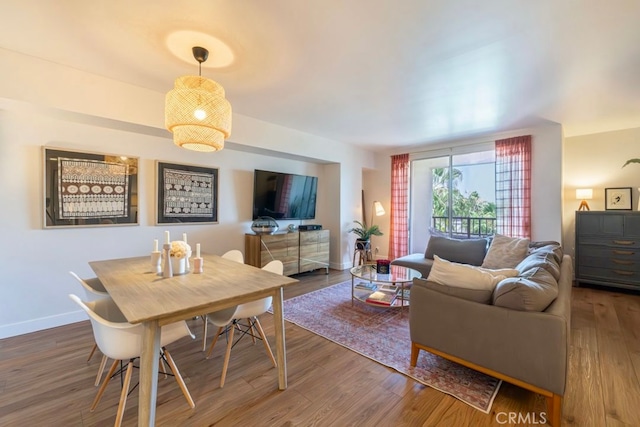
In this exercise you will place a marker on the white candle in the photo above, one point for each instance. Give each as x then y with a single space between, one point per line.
167 239
184 237
197 250
155 245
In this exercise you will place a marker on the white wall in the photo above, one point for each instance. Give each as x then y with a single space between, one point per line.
45 104
546 192
595 161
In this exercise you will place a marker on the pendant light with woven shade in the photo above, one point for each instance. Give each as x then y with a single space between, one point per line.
196 111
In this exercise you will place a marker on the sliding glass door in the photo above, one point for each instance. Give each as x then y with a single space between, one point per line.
453 195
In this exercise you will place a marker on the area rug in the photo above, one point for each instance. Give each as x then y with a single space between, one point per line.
382 335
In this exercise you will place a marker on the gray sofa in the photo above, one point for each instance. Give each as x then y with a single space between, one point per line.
519 332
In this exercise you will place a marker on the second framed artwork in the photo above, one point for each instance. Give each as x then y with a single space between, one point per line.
186 194
617 198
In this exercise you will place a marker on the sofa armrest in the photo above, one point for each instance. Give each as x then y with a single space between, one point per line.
529 346
416 261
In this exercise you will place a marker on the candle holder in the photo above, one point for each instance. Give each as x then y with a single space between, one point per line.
167 271
156 262
198 264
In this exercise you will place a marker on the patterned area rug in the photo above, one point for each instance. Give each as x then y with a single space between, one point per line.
382 334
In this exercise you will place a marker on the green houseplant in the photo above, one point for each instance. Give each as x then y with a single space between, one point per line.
364 233
631 161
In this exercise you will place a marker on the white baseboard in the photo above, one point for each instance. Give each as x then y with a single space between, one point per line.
26 327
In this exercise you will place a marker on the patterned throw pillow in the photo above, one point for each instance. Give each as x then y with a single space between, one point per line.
506 252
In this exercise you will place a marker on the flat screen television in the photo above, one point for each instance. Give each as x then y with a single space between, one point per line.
284 195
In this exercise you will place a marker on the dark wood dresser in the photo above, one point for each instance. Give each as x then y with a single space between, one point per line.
608 248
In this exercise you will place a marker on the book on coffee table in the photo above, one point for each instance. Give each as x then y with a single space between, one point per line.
368 286
382 298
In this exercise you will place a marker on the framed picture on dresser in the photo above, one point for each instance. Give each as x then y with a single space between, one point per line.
618 199
186 194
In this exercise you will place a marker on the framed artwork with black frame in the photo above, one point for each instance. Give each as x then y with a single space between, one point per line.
186 194
85 189
617 199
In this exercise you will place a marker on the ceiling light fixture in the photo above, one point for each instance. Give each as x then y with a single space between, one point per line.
196 111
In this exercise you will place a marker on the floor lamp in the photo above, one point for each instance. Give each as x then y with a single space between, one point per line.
376 209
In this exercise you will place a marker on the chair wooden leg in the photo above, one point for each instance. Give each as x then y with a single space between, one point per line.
253 336
93 350
179 378
265 342
123 394
205 325
215 339
227 355
554 410
414 354
103 363
162 368
112 370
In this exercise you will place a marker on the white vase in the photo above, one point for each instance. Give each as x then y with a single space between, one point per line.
179 265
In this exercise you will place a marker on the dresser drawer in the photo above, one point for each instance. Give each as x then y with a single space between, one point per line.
621 242
609 252
609 263
609 275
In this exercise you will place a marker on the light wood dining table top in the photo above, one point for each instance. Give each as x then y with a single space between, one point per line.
143 295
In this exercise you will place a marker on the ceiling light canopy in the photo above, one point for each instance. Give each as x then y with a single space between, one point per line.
197 112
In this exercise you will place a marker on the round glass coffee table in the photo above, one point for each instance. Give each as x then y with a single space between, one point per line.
382 290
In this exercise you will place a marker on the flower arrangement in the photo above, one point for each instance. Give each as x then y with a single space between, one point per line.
179 249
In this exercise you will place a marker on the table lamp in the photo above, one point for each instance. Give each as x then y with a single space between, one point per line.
584 194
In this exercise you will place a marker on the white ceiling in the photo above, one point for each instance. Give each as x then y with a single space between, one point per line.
379 73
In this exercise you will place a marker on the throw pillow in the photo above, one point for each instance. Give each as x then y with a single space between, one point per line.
531 292
465 276
505 252
546 260
470 251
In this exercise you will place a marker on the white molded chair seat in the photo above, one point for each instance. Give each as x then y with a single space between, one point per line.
227 321
120 340
94 290
233 255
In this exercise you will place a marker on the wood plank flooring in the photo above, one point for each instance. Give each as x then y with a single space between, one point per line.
46 381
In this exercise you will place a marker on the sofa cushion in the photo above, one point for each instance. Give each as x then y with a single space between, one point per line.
532 291
545 257
505 252
470 251
466 276
481 296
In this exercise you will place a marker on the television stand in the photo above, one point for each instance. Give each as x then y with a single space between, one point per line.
299 251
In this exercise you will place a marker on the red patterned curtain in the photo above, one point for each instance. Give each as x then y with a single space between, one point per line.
513 186
399 234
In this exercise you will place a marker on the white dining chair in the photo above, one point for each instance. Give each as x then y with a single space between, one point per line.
122 341
233 255
228 320
94 290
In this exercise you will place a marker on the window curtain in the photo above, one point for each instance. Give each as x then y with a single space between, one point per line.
513 186
399 233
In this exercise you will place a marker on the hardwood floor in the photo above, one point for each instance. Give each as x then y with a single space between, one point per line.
46 381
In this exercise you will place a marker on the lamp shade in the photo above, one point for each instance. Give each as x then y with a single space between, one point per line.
584 193
379 210
197 114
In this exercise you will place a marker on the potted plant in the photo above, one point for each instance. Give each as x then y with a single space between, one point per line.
364 234
631 161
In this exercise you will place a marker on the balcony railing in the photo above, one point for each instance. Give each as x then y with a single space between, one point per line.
463 227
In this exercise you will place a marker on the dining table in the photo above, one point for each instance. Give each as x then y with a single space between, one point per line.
146 297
